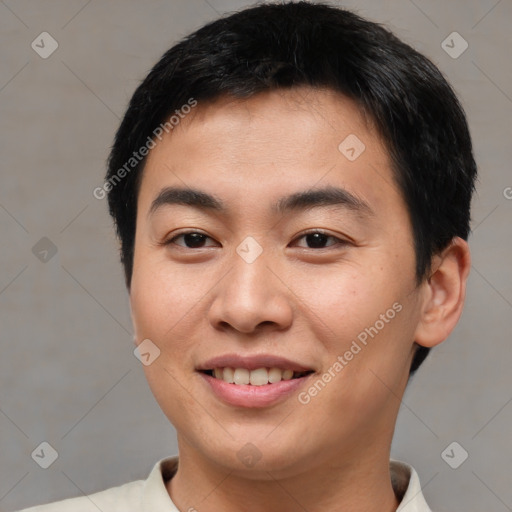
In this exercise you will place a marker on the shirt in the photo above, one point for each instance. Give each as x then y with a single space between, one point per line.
151 495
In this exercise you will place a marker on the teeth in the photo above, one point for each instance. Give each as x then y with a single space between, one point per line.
242 376
228 375
258 377
274 375
287 374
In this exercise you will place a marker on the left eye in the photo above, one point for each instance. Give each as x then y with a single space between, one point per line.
318 239
192 239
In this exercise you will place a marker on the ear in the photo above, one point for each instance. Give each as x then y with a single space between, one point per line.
444 294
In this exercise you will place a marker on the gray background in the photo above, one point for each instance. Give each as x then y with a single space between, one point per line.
68 373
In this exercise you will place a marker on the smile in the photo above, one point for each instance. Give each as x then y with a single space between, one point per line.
256 377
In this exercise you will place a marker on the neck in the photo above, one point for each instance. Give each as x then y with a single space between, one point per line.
363 485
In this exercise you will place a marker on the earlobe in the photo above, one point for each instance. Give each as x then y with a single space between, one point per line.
445 291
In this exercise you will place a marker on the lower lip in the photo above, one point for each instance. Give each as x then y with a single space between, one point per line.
242 395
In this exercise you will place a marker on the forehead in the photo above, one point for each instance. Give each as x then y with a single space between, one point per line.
251 150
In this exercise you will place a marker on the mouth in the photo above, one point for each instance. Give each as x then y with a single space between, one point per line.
252 381
254 377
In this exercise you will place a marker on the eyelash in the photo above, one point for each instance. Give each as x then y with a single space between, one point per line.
339 241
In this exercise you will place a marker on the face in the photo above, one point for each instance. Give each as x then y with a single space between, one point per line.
293 262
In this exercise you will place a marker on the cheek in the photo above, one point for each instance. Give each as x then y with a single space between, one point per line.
367 315
163 298
347 301
162 311
146 304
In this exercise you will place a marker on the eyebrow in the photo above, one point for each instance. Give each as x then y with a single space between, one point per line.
303 200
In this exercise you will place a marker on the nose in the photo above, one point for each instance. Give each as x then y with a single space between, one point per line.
251 297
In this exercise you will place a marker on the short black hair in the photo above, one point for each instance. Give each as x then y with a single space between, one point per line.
274 46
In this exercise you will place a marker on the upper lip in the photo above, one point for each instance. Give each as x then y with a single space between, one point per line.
253 362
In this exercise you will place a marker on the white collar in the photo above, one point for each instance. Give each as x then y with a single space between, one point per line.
406 485
404 478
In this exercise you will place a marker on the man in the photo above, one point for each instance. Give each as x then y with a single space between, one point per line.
291 187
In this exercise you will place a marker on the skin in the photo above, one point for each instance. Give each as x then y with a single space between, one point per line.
296 300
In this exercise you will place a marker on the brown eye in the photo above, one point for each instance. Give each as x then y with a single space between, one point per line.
191 240
316 240
319 240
